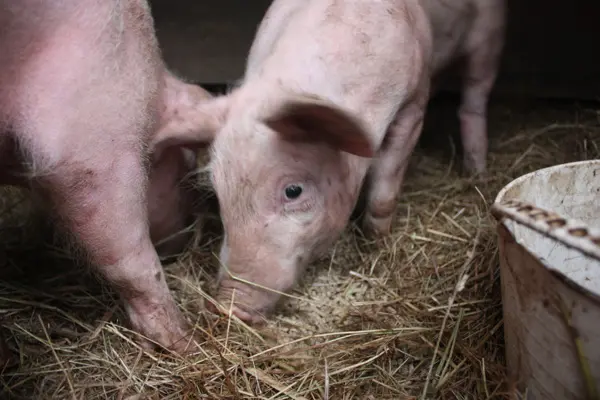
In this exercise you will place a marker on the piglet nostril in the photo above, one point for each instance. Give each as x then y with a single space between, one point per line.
241 311
249 317
243 315
212 308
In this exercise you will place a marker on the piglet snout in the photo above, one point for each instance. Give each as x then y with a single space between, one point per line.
244 315
249 304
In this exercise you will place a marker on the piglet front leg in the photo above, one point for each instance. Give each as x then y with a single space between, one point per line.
104 208
388 170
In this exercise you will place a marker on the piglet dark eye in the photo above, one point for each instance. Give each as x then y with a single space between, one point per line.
292 192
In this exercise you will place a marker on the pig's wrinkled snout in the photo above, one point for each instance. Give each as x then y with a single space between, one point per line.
249 303
249 317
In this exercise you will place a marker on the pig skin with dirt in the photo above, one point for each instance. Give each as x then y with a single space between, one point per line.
84 93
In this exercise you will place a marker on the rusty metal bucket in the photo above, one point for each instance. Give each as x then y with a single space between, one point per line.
549 245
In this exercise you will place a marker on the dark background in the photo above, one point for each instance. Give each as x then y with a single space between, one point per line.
551 50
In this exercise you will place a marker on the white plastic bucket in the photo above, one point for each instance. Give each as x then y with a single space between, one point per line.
549 246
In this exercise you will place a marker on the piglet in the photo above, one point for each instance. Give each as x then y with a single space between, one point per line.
333 91
83 94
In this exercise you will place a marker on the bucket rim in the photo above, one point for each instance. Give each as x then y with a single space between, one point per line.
528 175
500 203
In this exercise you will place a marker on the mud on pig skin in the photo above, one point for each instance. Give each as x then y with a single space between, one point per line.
334 91
84 94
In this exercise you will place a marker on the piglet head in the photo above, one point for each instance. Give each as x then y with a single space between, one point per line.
284 179
184 125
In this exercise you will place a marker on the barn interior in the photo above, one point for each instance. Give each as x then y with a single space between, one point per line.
417 314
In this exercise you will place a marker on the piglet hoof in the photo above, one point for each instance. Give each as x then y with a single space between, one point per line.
374 227
164 326
474 166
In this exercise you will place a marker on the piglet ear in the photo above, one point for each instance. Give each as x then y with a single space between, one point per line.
306 118
190 124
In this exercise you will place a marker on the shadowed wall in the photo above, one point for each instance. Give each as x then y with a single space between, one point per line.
551 48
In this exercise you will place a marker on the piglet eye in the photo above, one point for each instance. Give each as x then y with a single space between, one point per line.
292 192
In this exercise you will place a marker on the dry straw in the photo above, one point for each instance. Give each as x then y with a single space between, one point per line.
414 315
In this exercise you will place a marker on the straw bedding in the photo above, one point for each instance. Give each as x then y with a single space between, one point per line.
414 315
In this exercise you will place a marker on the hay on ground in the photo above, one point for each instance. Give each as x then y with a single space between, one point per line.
414 315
